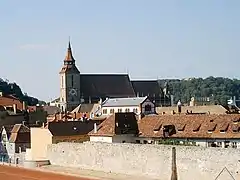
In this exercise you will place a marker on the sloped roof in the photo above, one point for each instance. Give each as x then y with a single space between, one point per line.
81 108
186 126
197 126
51 109
147 88
118 102
70 128
20 134
213 109
8 129
119 123
106 85
20 128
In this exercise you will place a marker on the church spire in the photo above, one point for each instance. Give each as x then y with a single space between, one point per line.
69 56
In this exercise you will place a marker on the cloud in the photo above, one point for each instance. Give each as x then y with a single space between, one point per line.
34 47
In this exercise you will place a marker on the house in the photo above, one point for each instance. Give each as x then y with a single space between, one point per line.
201 130
4 143
138 105
9 100
70 131
19 141
55 132
118 128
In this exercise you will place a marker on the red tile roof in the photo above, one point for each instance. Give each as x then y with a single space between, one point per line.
9 101
186 126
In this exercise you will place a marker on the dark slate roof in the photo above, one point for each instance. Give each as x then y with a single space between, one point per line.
106 85
70 128
147 88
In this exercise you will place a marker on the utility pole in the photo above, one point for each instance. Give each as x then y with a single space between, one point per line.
174 165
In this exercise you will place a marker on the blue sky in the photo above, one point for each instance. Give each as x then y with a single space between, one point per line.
148 38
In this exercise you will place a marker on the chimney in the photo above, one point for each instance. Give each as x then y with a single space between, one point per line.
23 122
90 100
60 116
43 125
95 127
174 165
24 106
137 94
15 108
179 107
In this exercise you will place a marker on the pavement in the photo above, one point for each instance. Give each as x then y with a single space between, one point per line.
92 174
17 173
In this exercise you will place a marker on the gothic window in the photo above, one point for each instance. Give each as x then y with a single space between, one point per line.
119 110
111 111
72 80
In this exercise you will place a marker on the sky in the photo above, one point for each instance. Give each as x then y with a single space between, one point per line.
148 39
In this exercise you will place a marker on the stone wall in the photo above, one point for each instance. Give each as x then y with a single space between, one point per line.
193 163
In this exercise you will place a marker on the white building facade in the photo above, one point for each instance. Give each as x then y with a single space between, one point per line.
138 105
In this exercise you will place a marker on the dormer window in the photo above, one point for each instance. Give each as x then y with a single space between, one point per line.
224 128
212 127
196 128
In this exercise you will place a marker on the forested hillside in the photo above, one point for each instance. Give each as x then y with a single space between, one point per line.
14 89
221 89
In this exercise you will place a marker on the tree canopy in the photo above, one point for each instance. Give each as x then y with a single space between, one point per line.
220 88
15 90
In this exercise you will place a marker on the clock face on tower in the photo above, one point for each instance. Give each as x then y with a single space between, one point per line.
73 92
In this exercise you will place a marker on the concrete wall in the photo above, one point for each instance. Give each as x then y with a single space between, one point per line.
194 163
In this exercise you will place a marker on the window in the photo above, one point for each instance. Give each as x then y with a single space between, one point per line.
119 110
104 111
135 110
123 141
72 80
138 141
145 142
111 111
4 137
127 110
148 108
234 144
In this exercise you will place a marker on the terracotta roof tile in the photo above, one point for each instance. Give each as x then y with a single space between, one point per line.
186 126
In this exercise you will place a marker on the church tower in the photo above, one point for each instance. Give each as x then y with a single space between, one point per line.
69 83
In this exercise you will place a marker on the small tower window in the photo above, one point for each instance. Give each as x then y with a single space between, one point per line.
72 80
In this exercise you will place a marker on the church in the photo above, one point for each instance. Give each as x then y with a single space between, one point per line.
77 88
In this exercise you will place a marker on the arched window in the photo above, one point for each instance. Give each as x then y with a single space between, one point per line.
72 80
148 108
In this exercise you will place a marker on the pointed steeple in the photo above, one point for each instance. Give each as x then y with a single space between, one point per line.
69 56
